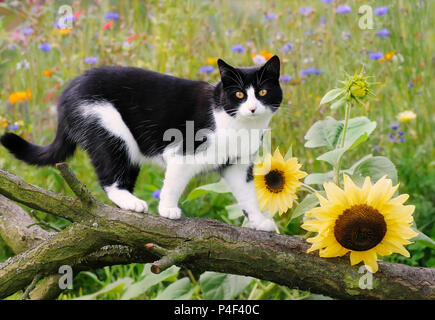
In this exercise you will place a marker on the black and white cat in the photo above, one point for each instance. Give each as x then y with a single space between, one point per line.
122 116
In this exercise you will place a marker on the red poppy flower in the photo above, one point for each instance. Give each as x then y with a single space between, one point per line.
108 25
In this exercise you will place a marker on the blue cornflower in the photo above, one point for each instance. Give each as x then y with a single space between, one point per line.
381 11
402 139
383 33
45 46
401 133
392 137
376 55
285 78
26 31
343 9
310 71
156 194
270 17
395 126
238 48
287 47
305 11
91 60
111 16
13 127
206 69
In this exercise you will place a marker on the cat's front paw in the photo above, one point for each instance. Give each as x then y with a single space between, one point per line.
125 200
170 212
262 224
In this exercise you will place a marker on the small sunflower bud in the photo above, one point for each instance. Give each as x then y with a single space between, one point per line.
359 89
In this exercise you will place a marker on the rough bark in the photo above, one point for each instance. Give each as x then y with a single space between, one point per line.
200 244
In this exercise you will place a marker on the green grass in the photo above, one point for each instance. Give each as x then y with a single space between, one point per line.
178 37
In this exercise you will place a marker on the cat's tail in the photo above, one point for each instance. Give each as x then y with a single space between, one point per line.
60 149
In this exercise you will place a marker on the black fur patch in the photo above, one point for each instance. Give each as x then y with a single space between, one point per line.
250 173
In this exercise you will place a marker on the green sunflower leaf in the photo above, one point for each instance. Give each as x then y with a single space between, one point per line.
329 132
222 286
331 95
323 133
181 289
424 239
319 178
375 168
305 205
338 104
218 187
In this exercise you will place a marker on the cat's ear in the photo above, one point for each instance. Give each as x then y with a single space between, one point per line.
229 74
271 67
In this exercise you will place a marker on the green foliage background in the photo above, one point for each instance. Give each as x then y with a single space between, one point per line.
179 37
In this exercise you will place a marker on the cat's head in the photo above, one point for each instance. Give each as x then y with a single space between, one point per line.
250 93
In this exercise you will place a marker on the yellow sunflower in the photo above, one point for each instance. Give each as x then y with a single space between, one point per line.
276 181
364 221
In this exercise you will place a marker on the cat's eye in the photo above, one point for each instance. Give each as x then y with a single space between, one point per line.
240 94
262 92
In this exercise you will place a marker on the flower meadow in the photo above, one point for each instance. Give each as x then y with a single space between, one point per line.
329 135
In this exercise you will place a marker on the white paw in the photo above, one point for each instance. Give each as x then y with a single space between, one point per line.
262 224
125 200
170 212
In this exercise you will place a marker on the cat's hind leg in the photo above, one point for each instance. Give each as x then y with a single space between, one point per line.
116 173
240 181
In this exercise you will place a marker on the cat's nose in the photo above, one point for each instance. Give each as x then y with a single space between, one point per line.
252 109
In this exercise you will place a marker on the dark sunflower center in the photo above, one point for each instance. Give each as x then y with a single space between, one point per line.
274 181
360 228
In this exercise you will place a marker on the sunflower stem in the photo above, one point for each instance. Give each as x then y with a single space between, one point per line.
343 139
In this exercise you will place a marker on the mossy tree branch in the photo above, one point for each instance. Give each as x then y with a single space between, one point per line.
200 244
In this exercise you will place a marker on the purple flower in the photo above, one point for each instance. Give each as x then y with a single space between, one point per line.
287 47
91 60
310 71
269 17
376 55
206 69
410 84
285 78
238 48
111 16
26 31
392 137
381 11
402 139
383 33
156 194
343 9
395 126
327 1
45 46
13 127
401 133
322 20
305 11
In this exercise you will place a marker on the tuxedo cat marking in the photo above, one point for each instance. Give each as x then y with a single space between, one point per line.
120 115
